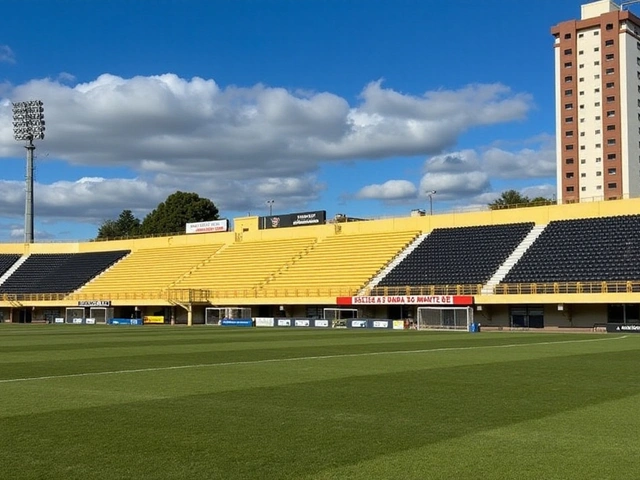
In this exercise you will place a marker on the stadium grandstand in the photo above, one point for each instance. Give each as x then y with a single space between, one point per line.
558 266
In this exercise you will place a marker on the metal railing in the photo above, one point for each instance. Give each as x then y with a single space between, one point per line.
208 296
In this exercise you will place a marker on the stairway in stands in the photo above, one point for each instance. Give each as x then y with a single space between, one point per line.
488 288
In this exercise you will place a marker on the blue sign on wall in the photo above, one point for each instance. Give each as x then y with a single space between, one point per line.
236 322
125 321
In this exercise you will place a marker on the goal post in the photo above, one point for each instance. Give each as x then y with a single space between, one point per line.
445 318
213 315
339 313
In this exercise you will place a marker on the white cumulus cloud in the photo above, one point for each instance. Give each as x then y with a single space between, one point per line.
390 190
238 146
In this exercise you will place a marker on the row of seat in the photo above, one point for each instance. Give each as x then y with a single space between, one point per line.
597 249
462 255
59 273
601 249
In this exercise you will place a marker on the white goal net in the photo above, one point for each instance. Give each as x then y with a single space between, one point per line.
445 318
213 315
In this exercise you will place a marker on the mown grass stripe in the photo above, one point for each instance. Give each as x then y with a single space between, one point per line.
311 357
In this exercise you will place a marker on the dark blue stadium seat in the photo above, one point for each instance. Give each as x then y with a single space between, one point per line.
584 250
457 256
59 272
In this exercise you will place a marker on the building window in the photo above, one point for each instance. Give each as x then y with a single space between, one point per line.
611 171
581 65
567 36
582 134
582 106
597 104
582 120
598 174
598 159
569 175
599 187
569 133
568 106
609 26
609 71
597 76
611 141
583 147
610 113
568 92
569 79
581 93
580 35
598 145
638 45
596 33
611 156
597 90
597 117
608 57
611 98
608 84
568 120
596 63
611 127
612 185
569 189
567 51
608 43
597 49
581 79
584 189
569 161
598 131
583 175
568 64
568 147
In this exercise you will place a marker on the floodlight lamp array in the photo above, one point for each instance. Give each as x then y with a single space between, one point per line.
28 120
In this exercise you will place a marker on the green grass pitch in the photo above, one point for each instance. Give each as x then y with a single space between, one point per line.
96 402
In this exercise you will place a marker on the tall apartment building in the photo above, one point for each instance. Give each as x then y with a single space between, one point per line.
597 82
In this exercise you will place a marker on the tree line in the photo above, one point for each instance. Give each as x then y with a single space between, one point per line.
170 216
180 208
513 199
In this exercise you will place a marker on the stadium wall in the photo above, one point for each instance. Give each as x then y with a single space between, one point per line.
583 309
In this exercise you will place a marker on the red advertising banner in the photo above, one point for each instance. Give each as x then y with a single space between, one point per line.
463 300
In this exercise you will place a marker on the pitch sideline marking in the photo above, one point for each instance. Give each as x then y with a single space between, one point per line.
296 359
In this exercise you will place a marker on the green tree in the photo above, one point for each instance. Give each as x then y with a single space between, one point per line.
509 198
176 211
536 202
127 225
514 199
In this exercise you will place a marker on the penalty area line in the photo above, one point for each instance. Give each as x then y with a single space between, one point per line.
298 359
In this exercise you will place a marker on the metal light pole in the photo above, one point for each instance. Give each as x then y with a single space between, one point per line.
270 203
28 125
430 195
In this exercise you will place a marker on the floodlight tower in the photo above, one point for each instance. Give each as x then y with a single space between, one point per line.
28 125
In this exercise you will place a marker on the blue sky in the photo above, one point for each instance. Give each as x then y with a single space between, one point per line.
354 107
